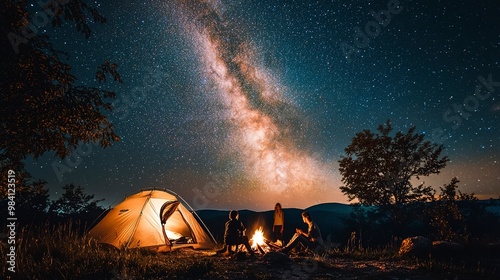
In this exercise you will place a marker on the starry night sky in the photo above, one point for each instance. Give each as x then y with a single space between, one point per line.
241 104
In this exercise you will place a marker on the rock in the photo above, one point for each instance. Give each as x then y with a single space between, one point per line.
415 246
276 258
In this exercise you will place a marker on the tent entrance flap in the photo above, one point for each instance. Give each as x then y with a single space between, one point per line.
167 209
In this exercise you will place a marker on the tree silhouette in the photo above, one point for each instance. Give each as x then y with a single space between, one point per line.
35 198
43 107
445 215
74 202
378 169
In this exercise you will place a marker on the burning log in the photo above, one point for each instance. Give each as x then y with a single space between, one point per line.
271 245
260 243
260 249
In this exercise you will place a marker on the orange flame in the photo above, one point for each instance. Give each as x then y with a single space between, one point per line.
258 238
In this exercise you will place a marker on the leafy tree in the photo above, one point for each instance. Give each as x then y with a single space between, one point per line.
43 107
445 215
378 169
461 217
74 202
35 197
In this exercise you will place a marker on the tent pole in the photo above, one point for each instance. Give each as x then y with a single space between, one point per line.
138 219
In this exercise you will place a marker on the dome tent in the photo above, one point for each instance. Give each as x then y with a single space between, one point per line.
156 219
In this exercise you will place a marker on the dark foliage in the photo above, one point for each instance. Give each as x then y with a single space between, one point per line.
74 202
378 168
43 107
445 216
461 217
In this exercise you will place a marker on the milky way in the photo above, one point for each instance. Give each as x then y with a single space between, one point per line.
265 125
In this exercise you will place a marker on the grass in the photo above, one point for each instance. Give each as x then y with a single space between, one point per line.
61 252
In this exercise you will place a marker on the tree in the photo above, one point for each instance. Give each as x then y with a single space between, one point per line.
43 107
445 215
74 202
35 198
378 169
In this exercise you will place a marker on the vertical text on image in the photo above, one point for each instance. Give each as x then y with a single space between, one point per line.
11 220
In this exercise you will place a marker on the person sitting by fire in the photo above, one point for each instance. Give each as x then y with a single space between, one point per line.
311 239
234 235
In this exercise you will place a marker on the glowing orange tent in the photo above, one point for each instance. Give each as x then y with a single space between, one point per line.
156 219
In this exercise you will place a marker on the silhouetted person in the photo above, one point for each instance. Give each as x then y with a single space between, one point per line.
279 223
234 234
310 239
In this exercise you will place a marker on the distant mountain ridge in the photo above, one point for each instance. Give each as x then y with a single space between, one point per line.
330 217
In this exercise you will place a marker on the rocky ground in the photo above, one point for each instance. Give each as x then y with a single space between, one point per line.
211 266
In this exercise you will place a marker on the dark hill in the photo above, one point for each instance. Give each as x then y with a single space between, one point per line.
328 216
337 208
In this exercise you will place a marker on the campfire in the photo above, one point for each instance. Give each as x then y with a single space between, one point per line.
260 243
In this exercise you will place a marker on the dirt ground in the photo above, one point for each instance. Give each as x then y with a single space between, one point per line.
306 267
